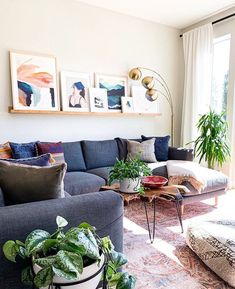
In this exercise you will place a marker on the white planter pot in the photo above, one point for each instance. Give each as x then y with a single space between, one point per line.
87 272
129 185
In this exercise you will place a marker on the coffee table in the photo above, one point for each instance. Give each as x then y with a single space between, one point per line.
166 193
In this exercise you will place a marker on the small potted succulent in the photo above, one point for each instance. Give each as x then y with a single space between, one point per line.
76 259
129 172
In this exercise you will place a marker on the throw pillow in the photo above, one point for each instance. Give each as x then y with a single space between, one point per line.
161 146
23 150
144 149
55 149
5 151
40 161
23 183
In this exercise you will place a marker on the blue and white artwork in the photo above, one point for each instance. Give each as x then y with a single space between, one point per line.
116 89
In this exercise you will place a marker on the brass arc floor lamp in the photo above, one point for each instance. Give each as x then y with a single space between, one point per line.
155 85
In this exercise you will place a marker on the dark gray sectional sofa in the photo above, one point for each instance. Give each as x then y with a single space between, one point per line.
88 166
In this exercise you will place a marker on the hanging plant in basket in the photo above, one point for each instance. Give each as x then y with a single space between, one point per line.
78 258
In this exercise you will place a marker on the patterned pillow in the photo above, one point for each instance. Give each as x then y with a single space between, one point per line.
5 151
55 149
161 146
144 149
23 150
40 161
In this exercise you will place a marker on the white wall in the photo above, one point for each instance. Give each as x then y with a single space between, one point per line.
85 39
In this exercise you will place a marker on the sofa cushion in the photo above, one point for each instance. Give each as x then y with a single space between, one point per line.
23 183
40 161
5 151
122 146
101 172
76 183
159 169
100 153
73 156
54 148
214 243
143 150
23 150
161 146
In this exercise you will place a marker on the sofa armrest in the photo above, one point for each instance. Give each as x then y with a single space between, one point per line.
104 210
180 154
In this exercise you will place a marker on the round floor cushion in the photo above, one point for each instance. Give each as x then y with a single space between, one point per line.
214 243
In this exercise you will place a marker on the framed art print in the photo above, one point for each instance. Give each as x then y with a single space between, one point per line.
116 88
140 103
34 81
98 99
74 91
127 104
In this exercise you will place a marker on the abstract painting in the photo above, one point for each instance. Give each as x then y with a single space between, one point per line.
34 81
98 99
74 89
127 104
116 88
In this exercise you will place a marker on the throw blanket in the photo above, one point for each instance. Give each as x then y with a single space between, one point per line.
180 171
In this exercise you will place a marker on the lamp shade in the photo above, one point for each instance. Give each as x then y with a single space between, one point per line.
151 94
135 73
148 82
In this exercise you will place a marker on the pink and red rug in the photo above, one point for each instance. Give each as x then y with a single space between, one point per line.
168 263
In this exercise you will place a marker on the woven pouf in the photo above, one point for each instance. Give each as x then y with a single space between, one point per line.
214 243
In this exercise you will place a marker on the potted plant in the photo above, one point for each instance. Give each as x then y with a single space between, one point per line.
75 258
211 143
128 172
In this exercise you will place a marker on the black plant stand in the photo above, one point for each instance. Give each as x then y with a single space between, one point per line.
104 283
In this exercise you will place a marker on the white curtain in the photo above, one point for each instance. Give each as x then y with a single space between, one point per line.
198 51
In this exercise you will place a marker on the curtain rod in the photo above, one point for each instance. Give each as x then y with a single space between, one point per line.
219 20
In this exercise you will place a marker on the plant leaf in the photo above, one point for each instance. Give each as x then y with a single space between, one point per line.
107 244
61 222
126 281
69 262
45 262
63 274
35 239
44 277
118 259
27 276
10 250
85 225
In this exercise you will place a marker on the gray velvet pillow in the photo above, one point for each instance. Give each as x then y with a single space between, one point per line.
144 149
23 183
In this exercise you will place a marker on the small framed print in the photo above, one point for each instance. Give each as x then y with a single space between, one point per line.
34 81
98 99
127 105
74 90
116 88
140 103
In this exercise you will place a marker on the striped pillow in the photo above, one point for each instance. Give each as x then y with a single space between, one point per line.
55 149
5 151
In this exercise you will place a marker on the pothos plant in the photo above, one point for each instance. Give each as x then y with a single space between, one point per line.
129 169
65 254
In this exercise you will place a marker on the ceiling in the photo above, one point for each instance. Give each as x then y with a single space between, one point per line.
176 13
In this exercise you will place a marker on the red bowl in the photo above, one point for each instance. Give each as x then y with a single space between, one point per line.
153 181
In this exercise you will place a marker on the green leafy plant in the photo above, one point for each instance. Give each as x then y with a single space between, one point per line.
211 144
65 254
129 169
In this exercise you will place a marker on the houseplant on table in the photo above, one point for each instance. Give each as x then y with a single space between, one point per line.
75 258
211 143
129 172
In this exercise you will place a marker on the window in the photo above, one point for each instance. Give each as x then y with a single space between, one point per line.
220 73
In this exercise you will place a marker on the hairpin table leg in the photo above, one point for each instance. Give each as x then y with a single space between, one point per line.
151 234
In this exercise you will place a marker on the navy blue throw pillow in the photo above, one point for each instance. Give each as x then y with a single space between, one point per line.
40 161
23 150
161 146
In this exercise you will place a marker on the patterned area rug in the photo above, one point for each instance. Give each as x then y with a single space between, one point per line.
168 263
